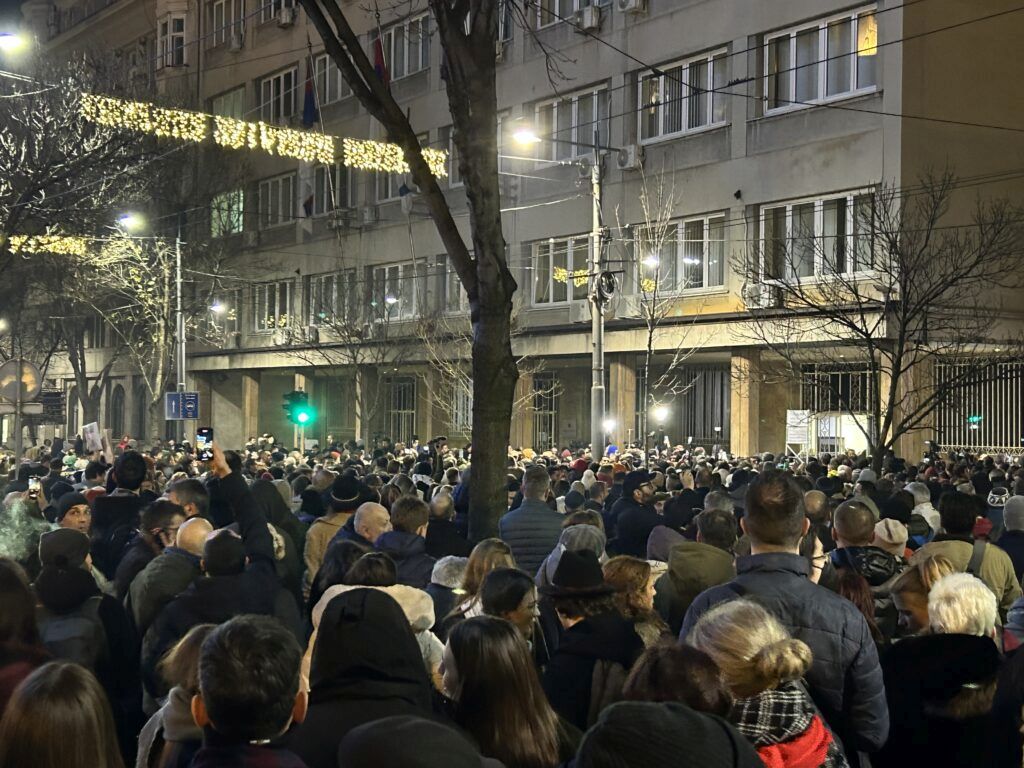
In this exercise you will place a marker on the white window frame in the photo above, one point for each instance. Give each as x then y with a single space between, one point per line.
555 146
446 136
277 201
822 61
261 300
330 85
462 409
271 8
675 240
227 213
322 294
327 199
709 91
404 281
278 100
231 19
172 50
459 304
849 238
392 46
564 8
230 103
577 265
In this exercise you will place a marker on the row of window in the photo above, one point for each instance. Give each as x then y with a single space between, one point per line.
832 58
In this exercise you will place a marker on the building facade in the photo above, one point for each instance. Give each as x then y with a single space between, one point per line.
743 116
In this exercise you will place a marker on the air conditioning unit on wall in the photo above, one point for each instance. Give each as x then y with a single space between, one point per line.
632 6
237 41
630 158
286 17
588 19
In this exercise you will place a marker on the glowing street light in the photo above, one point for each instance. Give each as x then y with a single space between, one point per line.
390 300
525 135
217 308
11 42
131 222
651 261
660 413
609 425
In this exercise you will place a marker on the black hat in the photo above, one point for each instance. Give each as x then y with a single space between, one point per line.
347 493
944 664
68 500
410 742
578 574
574 500
63 548
634 480
637 734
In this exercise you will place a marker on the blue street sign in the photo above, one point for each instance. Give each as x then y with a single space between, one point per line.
179 406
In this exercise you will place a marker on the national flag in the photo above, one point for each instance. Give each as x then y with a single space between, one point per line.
379 65
310 114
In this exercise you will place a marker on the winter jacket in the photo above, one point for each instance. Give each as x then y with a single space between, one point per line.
220 752
347 532
692 567
596 650
444 540
921 675
661 541
171 737
415 604
409 552
634 525
680 510
532 531
319 535
164 578
214 600
115 516
444 601
844 679
787 732
366 666
996 568
16 663
1012 543
137 557
930 515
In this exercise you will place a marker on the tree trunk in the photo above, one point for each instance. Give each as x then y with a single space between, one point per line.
91 406
154 422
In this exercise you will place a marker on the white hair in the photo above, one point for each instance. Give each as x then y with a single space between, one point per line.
961 604
1013 513
920 491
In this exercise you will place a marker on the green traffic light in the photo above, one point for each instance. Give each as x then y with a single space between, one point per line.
302 417
973 419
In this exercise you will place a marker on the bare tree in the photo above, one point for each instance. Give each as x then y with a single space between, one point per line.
467 30
655 255
900 288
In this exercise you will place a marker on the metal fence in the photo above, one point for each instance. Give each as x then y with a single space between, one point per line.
985 416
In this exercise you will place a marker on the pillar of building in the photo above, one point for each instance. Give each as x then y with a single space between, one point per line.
251 404
521 432
622 398
912 386
744 403
426 386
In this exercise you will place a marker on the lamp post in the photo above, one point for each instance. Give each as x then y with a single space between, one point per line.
133 222
602 286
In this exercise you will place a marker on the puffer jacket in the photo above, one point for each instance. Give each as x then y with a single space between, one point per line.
844 680
409 552
692 567
532 531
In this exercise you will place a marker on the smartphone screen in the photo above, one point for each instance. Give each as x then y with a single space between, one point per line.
33 486
204 437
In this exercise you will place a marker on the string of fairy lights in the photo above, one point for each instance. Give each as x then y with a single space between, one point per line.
228 132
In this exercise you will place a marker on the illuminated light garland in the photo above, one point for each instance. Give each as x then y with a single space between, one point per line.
579 278
307 146
61 245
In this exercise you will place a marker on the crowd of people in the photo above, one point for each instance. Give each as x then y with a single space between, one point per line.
266 607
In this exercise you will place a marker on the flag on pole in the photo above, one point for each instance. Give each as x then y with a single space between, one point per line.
379 65
310 114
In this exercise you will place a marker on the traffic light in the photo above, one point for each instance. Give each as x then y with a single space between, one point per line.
974 419
299 411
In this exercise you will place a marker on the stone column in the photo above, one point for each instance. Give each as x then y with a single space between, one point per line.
521 432
251 404
622 397
744 403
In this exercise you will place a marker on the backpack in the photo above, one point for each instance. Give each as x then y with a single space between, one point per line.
77 636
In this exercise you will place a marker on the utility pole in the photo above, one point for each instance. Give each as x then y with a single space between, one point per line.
179 323
597 394
17 413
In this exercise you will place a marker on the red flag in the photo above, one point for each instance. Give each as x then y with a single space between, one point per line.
379 65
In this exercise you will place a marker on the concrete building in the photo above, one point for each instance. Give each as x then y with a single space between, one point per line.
746 113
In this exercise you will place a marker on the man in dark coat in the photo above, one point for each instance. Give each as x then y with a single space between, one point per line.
443 539
115 515
844 679
157 530
634 514
240 578
406 544
532 529
589 667
366 666
1012 540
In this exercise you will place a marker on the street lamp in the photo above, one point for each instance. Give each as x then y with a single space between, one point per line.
660 413
132 222
602 285
11 42
217 308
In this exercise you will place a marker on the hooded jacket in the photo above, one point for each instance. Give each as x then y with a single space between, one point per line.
880 569
366 666
693 566
569 675
171 737
409 552
443 539
167 576
844 679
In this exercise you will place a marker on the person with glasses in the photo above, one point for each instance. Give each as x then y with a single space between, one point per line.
157 529
635 514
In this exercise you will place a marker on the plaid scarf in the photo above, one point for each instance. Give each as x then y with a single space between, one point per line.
785 715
